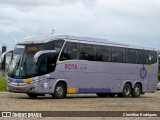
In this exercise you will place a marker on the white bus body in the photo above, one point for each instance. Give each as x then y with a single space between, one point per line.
60 65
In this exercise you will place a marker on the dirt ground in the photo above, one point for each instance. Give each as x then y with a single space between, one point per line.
80 102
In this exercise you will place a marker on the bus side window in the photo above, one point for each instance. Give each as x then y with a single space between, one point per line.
54 45
43 65
87 52
143 57
103 53
131 56
70 51
118 55
47 63
152 57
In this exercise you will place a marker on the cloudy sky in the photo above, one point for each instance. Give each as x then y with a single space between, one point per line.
135 22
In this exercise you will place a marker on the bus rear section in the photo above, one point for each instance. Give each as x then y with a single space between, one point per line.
108 70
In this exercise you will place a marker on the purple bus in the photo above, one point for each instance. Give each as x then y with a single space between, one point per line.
61 65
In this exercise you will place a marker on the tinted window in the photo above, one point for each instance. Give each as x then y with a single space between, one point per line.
118 54
152 57
70 51
54 45
143 56
87 52
131 56
103 53
47 63
19 49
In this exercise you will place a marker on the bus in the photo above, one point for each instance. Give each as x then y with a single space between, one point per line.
62 64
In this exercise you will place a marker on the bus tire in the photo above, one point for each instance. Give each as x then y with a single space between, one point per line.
102 94
32 95
126 91
136 91
60 91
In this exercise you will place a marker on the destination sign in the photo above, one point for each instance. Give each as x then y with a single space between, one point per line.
32 48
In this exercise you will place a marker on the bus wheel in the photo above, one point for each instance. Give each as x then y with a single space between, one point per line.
136 91
102 94
126 91
32 95
60 91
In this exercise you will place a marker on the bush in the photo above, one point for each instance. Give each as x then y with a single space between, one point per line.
2 84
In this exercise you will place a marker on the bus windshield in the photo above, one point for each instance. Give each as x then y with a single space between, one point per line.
22 64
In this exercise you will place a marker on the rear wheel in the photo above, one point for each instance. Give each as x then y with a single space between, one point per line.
60 91
126 91
102 94
32 95
136 91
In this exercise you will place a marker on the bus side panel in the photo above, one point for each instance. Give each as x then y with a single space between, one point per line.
152 77
72 73
95 77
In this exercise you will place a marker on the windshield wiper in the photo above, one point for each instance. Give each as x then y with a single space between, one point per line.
24 65
17 64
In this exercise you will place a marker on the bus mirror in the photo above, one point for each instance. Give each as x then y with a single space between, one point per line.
39 53
4 54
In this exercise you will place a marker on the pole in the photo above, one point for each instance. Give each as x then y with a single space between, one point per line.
4 61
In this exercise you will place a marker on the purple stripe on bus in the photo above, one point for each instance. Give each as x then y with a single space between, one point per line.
15 80
94 90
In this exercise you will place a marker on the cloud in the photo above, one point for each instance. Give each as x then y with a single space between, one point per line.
41 16
125 21
28 3
130 17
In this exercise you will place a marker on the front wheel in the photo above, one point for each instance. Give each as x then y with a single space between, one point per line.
59 92
136 91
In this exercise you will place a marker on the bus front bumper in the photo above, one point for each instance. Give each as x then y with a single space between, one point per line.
22 88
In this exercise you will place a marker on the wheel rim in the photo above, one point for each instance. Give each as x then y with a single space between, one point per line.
127 91
137 90
59 91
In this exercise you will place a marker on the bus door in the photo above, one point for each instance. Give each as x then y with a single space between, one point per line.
46 66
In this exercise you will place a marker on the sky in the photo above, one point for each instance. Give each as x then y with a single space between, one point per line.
134 22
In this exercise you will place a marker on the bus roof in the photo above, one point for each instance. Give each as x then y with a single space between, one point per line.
89 40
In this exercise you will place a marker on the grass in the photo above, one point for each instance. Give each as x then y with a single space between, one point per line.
2 84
